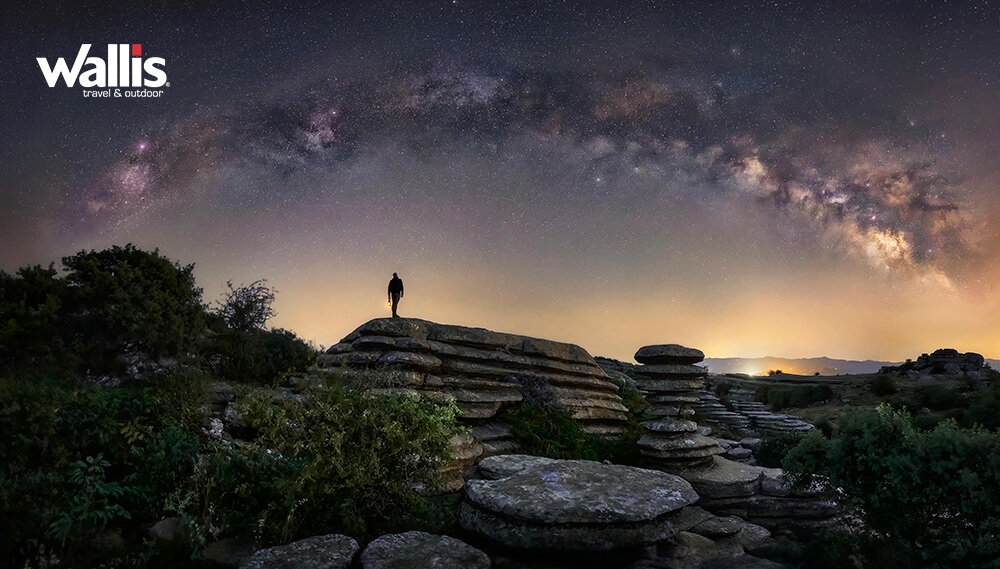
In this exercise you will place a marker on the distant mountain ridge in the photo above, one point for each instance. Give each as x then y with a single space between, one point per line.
803 366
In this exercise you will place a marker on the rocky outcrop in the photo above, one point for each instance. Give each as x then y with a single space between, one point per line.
669 381
321 552
482 370
536 504
763 497
946 362
420 550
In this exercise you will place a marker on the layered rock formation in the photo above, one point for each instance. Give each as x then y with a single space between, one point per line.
482 370
943 362
670 380
538 504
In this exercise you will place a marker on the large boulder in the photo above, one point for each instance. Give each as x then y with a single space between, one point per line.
420 550
575 505
321 552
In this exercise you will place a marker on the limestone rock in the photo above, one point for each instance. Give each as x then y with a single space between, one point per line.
497 467
670 382
420 550
321 552
668 354
168 530
481 369
724 479
575 505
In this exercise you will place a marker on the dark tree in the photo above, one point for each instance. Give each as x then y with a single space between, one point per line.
125 303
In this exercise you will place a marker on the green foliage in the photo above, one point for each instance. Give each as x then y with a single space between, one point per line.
773 449
932 496
113 309
78 460
126 301
545 432
352 458
782 397
808 453
93 501
883 385
550 431
259 357
938 397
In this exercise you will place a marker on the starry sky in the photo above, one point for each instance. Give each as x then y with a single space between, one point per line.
781 178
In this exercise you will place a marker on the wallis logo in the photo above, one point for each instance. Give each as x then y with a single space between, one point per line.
124 68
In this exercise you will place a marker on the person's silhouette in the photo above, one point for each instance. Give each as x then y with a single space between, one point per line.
395 292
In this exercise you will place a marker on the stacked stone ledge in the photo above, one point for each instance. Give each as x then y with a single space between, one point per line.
480 370
669 381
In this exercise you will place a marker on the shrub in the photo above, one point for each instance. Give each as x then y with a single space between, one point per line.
113 310
883 385
773 449
781 397
78 460
933 496
543 429
259 357
349 460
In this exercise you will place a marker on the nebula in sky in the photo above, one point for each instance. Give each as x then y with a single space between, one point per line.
748 179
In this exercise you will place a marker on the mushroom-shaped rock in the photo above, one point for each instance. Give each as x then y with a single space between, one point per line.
577 505
321 552
420 550
668 354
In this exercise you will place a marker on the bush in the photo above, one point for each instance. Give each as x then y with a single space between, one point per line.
78 460
542 429
259 357
114 310
883 385
773 449
349 461
933 496
781 397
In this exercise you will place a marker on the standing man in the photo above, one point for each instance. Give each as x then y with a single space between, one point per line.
395 292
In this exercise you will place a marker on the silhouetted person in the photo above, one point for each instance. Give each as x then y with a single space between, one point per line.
395 292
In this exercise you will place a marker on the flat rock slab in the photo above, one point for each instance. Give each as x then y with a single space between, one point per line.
668 354
575 505
582 492
504 466
321 552
420 550
573 538
724 478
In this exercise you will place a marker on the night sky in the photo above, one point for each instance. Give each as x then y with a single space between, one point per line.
784 178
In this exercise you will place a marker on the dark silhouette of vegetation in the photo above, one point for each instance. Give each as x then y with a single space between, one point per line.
928 498
782 397
883 385
114 312
248 307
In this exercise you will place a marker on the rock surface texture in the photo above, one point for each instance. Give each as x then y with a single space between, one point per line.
321 552
670 381
482 370
420 550
946 362
574 505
